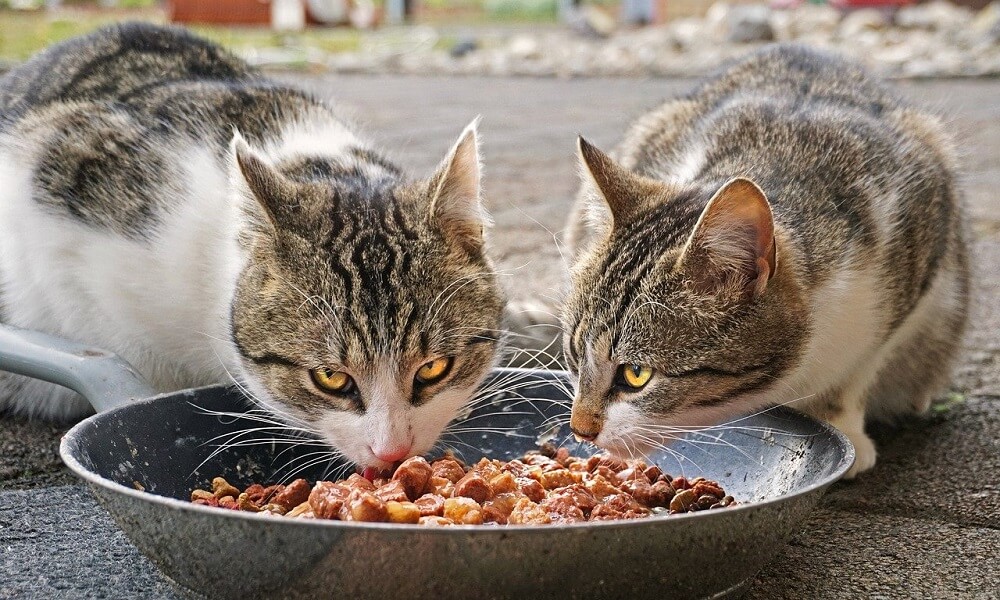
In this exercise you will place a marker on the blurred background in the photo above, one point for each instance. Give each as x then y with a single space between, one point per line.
564 38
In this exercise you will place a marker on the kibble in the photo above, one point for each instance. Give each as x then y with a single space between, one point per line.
542 487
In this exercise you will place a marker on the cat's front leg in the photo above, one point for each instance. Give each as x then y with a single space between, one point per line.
850 420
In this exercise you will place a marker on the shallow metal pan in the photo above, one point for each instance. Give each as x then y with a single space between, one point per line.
142 456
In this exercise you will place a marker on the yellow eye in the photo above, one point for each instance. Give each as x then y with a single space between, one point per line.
335 382
634 376
433 370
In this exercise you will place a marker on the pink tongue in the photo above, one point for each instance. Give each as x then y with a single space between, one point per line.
370 473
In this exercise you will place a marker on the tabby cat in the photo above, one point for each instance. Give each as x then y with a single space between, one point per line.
161 199
789 232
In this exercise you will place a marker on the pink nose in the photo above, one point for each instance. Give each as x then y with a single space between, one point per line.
392 453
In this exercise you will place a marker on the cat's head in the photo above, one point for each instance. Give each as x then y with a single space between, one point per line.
368 309
683 311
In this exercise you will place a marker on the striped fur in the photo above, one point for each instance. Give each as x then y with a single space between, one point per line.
163 200
855 308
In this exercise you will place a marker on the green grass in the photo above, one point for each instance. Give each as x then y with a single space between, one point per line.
24 33
951 401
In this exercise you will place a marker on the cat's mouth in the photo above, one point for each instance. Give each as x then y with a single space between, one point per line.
373 473
626 446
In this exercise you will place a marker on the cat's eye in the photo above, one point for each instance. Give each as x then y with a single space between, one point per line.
633 376
334 382
433 370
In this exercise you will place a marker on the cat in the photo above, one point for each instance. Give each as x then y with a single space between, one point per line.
789 232
161 199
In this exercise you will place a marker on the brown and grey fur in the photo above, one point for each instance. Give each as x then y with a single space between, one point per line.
863 192
303 252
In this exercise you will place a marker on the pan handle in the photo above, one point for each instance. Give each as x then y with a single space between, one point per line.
104 379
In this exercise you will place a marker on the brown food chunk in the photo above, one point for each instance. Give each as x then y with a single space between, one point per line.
441 486
499 508
580 496
518 468
473 486
632 474
608 475
293 495
414 473
682 501
430 505
222 488
244 503
600 487
487 469
660 494
526 512
262 495
704 487
357 482
277 509
402 512
492 515
392 491
202 495
364 506
210 501
463 511
502 483
447 468
561 508
615 464
303 509
557 478
326 499
531 488
623 503
652 473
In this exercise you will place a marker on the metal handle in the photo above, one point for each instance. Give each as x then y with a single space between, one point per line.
104 379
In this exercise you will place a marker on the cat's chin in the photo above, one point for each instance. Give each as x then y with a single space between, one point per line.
624 446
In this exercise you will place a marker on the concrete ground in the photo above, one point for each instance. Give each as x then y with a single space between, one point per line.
925 523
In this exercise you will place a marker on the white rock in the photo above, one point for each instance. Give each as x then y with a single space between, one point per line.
750 23
524 47
935 16
814 19
859 21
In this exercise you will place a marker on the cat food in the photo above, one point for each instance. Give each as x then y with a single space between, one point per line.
547 486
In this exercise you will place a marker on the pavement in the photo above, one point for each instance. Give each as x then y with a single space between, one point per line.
925 523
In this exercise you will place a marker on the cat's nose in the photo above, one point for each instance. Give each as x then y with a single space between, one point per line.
391 453
587 436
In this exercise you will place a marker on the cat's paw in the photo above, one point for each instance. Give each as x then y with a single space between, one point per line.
864 453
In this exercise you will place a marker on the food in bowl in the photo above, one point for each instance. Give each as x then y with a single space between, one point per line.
542 487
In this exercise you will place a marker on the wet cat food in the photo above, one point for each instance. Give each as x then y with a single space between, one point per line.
543 487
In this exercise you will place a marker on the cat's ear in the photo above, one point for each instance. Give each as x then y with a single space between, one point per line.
624 192
258 181
455 205
732 247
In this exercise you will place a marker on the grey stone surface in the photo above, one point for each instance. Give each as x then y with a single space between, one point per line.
862 555
58 543
923 524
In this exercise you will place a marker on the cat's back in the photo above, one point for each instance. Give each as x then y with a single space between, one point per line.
116 63
844 161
